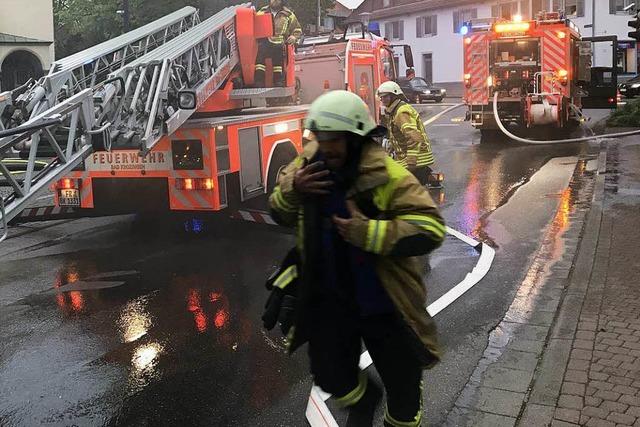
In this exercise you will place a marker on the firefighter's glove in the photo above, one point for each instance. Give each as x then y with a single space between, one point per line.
291 40
312 179
354 229
272 308
287 310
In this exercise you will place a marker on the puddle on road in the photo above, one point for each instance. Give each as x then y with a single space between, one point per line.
549 254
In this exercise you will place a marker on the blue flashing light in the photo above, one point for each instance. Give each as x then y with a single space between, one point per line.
464 30
197 225
374 28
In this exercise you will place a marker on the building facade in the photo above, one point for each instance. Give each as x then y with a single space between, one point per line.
432 29
26 41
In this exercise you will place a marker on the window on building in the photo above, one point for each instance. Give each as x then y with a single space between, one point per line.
394 30
619 6
573 7
426 26
462 16
505 10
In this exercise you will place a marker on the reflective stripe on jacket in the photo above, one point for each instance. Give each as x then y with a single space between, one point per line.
407 135
285 24
405 224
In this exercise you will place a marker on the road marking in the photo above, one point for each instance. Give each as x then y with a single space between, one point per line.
318 413
440 114
457 119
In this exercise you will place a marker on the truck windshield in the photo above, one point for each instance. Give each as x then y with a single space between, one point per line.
508 52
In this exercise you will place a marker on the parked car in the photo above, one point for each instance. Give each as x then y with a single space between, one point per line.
630 88
417 90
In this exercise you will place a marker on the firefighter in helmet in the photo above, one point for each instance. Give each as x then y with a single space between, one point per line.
361 219
407 136
286 31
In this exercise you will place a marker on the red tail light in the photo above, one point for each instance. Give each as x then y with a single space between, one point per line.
194 184
67 184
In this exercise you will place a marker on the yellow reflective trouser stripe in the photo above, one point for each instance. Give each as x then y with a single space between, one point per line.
261 67
376 232
425 222
276 39
286 277
280 201
395 423
356 394
415 422
277 69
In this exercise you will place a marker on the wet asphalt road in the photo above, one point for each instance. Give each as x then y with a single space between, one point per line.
111 321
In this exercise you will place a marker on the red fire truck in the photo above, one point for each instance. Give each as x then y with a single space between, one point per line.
535 67
231 150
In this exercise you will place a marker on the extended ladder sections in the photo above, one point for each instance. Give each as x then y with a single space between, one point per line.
134 106
86 69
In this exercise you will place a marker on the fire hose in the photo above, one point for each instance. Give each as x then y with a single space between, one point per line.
553 141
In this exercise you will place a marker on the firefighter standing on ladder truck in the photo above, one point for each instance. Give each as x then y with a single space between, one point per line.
407 136
360 224
286 31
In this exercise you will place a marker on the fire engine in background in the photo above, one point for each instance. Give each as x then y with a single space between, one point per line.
540 70
228 153
358 61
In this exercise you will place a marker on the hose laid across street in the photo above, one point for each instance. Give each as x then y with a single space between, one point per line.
552 141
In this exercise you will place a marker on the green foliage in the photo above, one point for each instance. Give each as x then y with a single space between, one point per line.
627 116
80 24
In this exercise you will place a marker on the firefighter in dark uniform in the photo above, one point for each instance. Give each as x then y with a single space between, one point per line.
286 31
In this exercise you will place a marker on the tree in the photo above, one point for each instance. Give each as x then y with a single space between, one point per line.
80 24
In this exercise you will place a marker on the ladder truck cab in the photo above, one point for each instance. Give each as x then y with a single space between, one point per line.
535 69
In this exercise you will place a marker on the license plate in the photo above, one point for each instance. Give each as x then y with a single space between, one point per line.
69 197
623 90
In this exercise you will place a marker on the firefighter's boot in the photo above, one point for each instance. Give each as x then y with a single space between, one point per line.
259 78
361 414
278 80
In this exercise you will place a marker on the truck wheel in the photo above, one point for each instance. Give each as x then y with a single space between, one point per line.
417 99
438 99
283 155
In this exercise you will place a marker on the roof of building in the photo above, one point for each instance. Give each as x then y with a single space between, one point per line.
406 7
339 11
10 38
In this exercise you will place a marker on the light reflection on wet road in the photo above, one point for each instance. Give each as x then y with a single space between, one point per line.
179 340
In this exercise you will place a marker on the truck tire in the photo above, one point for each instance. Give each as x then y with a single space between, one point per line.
282 156
438 100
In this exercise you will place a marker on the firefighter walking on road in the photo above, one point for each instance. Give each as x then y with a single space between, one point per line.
286 31
361 220
407 136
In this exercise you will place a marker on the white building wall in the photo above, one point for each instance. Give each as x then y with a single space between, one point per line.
606 24
446 46
30 18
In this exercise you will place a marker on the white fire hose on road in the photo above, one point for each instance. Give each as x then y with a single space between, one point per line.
553 141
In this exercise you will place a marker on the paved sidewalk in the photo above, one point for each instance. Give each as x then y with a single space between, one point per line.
601 375
568 350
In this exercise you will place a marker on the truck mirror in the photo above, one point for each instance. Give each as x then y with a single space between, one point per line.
187 100
408 56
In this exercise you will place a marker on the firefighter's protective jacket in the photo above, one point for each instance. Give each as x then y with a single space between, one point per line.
285 24
401 223
407 135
